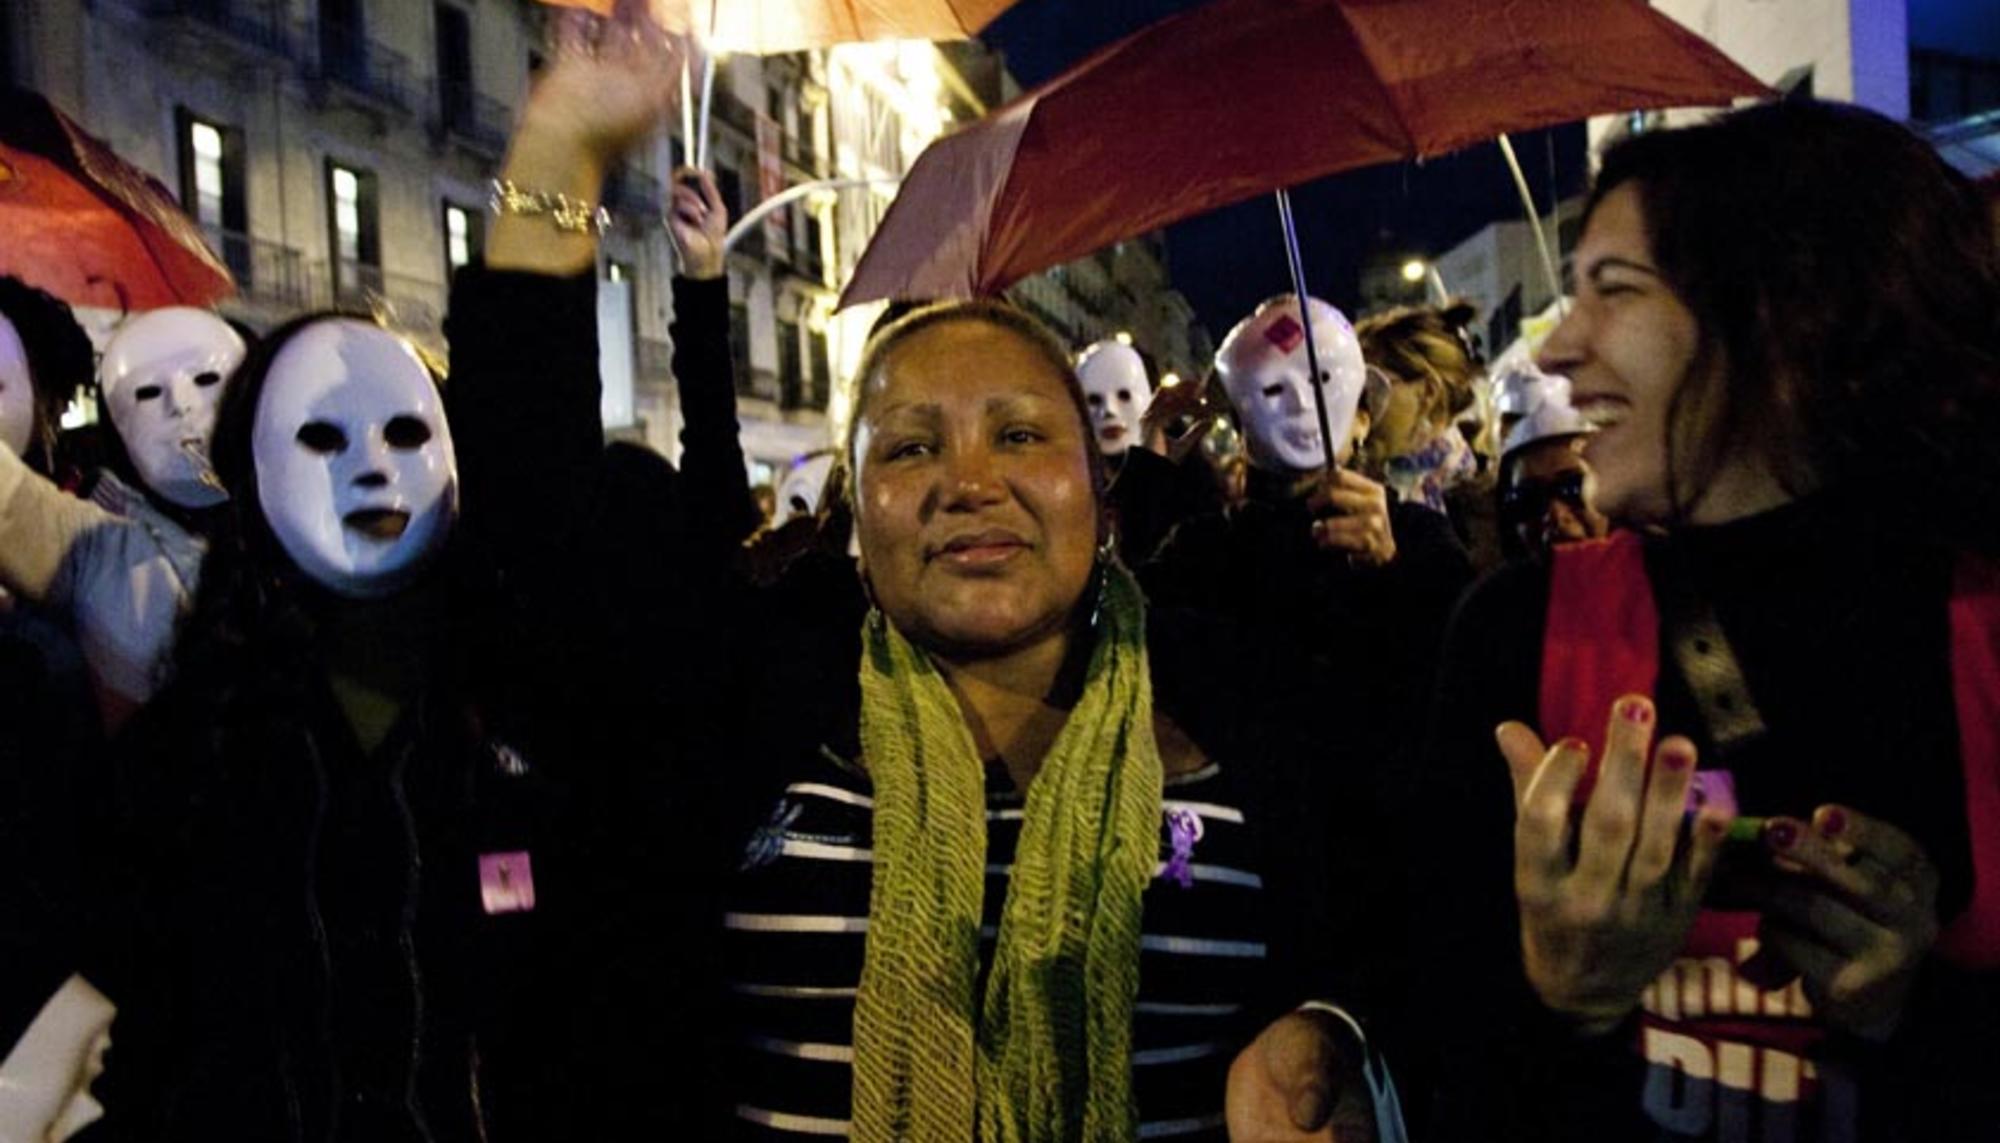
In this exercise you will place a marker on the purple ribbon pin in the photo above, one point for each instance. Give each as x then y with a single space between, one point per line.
1184 828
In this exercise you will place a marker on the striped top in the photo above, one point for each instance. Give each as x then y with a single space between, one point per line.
798 922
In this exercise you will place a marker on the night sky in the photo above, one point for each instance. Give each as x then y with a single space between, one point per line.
1228 261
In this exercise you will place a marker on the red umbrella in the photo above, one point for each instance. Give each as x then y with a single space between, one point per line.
89 227
1245 97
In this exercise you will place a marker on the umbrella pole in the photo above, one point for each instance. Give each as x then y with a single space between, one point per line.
687 109
707 104
1534 222
1305 313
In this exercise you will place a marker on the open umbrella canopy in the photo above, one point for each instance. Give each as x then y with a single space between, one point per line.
767 27
85 225
1240 98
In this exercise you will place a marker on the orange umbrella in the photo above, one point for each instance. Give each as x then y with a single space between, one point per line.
1241 98
85 225
767 27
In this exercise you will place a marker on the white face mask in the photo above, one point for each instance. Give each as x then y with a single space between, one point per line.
355 469
799 494
1263 366
162 378
1118 392
17 392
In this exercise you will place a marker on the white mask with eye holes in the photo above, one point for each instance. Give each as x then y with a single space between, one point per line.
1117 390
162 378
355 470
1263 366
803 488
17 392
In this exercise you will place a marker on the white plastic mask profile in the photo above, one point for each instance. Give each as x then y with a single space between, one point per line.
45 1077
1264 368
1520 387
17 392
162 378
799 494
1117 390
355 469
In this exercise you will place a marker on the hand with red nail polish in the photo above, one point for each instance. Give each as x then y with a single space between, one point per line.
1607 893
1851 909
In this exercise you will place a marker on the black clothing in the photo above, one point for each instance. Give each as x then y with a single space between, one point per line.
1379 630
1151 495
1843 639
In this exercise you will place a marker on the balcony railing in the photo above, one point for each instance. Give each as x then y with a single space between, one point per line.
461 113
266 273
258 24
346 56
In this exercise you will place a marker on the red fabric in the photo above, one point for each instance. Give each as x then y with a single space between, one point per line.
1602 641
90 228
1974 938
1240 98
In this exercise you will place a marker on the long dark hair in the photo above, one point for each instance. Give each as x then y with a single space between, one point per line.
60 361
1846 286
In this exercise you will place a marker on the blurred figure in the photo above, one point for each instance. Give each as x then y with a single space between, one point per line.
1415 446
803 489
767 502
1118 390
1545 486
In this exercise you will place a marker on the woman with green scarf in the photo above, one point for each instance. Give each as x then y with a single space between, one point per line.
1051 862
1015 859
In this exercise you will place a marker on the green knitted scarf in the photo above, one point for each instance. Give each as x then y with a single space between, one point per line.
1048 1054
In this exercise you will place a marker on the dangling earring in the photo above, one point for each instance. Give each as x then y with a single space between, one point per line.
1101 572
877 622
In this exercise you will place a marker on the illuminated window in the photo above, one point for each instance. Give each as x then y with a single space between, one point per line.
464 235
212 187
354 235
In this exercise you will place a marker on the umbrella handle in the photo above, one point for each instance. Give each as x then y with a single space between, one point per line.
707 104
1534 223
1305 313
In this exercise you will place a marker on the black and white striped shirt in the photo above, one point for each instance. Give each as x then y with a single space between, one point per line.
798 920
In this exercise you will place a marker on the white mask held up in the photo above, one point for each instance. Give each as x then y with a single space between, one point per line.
1118 391
355 469
162 378
1263 366
800 493
17 392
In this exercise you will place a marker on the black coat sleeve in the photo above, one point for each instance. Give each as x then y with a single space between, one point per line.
721 512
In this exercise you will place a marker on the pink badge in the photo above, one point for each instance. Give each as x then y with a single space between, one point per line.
1285 333
1712 787
506 883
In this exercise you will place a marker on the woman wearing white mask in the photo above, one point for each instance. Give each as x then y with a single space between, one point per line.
121 567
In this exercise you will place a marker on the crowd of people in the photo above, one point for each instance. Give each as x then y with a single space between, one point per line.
1601 746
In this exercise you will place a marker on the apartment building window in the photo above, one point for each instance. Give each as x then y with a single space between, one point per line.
454 64
342 44
464 235
6 47
354 230
791 377
739 345
212 186
821 364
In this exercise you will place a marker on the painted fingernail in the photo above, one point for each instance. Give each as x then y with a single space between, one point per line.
1676 760
1781 835
1832 822
1573 746
1637 711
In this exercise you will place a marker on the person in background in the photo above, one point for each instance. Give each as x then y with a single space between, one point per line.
1318 556
1145 442
1416 447
121 568
1745 879
1544 484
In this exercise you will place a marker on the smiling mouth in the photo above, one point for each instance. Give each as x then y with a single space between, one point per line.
383 525
1601 412
1112 432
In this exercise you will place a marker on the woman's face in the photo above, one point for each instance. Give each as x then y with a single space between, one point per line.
975 513
1626 347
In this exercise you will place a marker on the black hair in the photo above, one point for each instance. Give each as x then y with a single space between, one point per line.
60 361
1002 315
1846 289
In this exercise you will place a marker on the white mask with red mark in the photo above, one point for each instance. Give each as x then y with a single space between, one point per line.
162 378
355 468
1264 368
1116 388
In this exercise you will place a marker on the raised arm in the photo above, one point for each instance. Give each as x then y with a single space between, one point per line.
39 525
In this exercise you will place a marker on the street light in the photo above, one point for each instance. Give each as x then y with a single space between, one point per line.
1413 270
